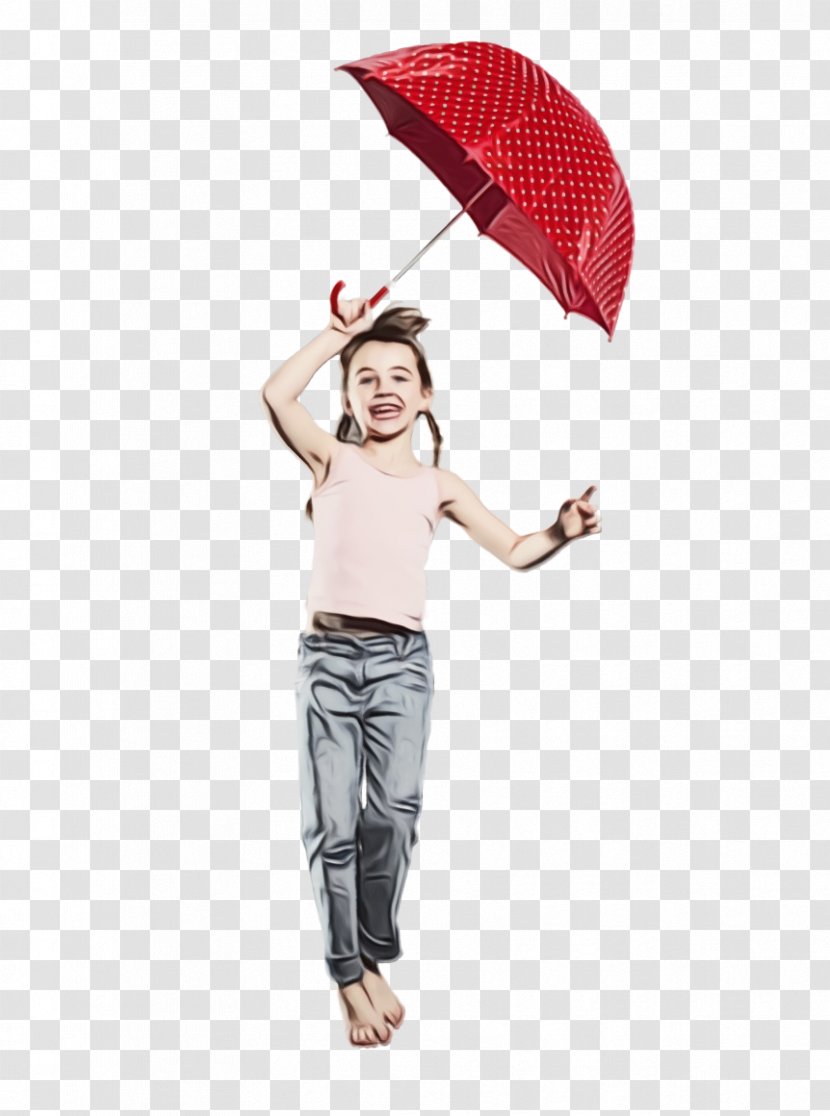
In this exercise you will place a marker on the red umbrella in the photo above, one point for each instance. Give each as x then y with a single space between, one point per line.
529 164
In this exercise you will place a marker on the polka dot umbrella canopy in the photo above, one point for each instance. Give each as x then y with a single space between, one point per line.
530 165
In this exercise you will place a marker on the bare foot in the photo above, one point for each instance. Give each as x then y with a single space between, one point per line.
364 1025
383 998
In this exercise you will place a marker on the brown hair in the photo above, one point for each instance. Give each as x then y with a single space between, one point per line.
398 323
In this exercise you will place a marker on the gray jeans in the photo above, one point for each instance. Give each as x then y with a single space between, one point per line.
364 705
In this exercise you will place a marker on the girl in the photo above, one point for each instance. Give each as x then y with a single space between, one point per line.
365 679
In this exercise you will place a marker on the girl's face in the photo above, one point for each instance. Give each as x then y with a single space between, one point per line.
385 373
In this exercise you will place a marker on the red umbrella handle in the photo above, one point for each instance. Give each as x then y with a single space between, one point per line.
338 287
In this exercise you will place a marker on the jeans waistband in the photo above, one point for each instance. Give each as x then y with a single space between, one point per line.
398 640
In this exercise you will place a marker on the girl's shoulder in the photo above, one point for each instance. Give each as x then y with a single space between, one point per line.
450 488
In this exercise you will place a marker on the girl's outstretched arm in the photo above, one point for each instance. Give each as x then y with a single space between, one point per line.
462 506
577 517
536 548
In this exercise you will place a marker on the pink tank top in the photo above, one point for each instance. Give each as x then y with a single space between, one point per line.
372 534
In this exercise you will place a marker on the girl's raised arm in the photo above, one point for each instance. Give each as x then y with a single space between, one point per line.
281 392
293 377
294 424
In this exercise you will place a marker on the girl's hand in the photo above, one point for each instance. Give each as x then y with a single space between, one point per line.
354 316
577 517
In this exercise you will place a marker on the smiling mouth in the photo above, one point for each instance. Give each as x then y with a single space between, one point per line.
384 412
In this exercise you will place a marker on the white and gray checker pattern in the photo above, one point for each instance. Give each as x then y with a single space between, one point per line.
621 898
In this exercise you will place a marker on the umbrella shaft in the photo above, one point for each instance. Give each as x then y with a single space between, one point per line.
437 236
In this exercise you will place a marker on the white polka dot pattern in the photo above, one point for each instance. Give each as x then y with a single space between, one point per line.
539 145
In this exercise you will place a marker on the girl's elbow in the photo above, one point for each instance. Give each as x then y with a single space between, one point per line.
511 556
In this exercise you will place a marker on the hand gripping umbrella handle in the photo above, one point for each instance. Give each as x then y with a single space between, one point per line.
338 287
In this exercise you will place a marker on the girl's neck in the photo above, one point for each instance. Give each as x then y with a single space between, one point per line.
400 460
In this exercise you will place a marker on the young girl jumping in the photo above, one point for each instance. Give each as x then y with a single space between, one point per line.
365 679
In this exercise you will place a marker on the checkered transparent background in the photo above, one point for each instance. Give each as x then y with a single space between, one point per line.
621 898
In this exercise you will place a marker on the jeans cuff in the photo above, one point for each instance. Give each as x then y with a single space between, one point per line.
384 957
346 973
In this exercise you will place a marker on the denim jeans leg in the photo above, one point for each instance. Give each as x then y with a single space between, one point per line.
396 726
330 763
